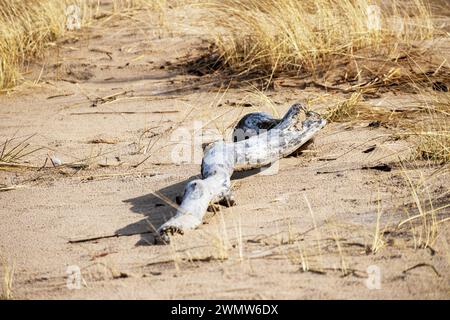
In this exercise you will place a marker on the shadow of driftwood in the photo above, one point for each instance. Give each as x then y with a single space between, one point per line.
155 210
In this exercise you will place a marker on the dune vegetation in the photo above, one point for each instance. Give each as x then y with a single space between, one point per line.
29 28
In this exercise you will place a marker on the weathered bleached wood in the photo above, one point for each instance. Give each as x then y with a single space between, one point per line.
260 141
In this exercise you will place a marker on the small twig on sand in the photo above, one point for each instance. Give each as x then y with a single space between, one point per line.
115 235
60 95
123 112
9 188
420 265
98 50
110 175
379 167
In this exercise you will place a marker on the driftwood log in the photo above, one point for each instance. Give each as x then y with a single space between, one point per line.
259 140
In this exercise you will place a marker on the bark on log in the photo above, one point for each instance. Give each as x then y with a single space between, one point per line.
260 141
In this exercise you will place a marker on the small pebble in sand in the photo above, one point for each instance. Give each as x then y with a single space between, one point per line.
56 161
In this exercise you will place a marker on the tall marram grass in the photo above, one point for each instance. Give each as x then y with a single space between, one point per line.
292 35
27 27
433 135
